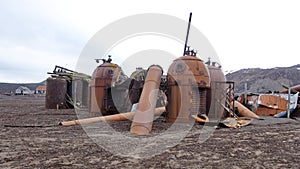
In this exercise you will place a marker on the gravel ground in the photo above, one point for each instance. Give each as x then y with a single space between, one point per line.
31 138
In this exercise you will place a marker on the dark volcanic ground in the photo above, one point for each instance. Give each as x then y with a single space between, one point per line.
269 143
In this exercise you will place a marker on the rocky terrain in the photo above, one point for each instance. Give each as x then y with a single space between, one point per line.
264 80
31 138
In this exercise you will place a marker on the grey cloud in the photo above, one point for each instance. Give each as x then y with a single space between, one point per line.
22 26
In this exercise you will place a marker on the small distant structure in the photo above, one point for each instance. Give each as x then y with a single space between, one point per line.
22 90
40 90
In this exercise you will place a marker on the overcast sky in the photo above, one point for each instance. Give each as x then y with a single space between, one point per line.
37 35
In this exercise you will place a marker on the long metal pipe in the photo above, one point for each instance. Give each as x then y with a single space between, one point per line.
293 89
143 118
289 103
244 111
115 117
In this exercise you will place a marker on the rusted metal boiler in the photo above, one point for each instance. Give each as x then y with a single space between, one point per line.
216 94
105 77
188 81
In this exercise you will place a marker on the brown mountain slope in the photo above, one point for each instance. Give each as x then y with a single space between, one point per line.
263 80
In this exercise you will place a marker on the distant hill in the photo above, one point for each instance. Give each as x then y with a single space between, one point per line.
264 80
7 87
258 80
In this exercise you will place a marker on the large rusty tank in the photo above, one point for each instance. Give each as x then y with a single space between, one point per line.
56 93
187 80
105 76
216 95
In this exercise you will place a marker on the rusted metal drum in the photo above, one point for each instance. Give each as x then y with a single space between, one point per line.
187 80
216 95
99 87
56 93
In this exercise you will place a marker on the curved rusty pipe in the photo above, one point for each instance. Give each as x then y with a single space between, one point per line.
143 118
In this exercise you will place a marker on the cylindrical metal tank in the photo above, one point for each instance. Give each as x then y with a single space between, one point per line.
216 95
56 93
100 89
187 81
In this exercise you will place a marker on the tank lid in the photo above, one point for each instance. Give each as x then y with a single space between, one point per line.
188 57
108 65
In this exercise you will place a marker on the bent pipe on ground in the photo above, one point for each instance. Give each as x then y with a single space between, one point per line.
143 118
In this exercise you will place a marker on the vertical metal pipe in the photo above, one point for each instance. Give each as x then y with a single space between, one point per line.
245 99
187 34
289 102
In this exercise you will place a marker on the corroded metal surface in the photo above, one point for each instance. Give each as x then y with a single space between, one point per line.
104 77
272 101
215 94
187 80
56 93
265 111
143 118
189 70
243 111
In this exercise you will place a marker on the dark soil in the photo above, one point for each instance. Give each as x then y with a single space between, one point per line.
31 138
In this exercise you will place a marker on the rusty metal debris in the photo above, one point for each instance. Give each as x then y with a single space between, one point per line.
270 104
191 91
236 122
201 118
60 87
